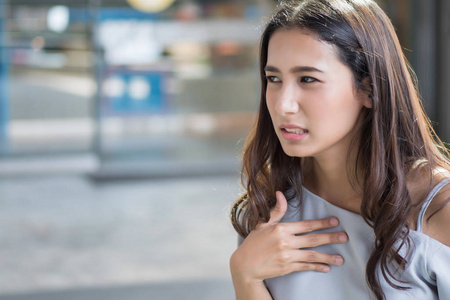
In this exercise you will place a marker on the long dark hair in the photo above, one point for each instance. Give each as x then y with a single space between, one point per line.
397 136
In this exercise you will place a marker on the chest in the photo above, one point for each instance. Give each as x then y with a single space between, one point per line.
347 281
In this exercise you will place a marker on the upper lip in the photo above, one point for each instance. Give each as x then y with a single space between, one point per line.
291 126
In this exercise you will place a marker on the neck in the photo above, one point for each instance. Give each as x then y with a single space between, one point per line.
328 179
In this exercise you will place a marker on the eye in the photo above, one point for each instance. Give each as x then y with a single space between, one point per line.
273 79
307 79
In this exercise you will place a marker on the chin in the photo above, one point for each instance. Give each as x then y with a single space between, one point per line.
292 152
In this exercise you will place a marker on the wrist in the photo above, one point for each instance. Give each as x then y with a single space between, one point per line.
246 280
242 275
247 288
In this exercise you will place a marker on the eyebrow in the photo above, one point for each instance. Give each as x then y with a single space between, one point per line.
294 69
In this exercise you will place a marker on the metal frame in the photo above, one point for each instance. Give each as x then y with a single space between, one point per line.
443 70
4 75
424 59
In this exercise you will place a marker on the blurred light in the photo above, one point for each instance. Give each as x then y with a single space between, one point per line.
37 43
201 123
188 12
139 88
189 50
228 48
58 18
114 87
150 5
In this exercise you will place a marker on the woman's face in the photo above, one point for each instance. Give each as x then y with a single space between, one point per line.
310 96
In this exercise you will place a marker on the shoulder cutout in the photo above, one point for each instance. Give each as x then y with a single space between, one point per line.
436 222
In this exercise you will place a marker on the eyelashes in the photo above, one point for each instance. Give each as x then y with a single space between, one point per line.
272 79
308 79
303 79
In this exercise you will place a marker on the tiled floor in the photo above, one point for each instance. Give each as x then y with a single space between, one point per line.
67 237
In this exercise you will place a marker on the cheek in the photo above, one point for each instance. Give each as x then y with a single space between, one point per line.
270 103
336 114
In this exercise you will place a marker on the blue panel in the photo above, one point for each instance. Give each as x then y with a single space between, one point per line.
142 92
4 75
82 15
125 14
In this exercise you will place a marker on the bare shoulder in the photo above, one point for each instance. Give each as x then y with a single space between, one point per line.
437 217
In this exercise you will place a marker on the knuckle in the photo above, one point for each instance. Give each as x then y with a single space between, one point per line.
312 240
308 225
284 257
280 228
282 245
311 256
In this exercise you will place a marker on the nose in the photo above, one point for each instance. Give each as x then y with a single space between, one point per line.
287 100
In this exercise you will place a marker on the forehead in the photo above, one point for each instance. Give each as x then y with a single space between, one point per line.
297 46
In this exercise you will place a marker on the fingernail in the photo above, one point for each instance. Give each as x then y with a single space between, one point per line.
326 269
334 222
339 260
342 237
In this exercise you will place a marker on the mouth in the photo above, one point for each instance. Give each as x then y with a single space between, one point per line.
294 133
297 131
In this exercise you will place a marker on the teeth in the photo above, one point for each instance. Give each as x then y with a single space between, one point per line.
295 131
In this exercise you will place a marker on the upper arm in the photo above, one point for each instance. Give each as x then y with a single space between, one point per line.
437 217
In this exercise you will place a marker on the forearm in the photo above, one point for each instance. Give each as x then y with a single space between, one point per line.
246 290
245 286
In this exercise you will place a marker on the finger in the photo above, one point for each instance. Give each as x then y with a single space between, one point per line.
310 256
319 239
279 210
299 267
311 225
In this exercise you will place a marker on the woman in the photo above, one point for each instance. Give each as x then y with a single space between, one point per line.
347 184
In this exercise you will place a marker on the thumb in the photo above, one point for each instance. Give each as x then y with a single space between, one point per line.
279 210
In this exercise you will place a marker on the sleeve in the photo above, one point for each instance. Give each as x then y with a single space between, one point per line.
240 240
440 267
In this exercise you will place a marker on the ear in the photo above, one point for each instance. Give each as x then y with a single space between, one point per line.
366 93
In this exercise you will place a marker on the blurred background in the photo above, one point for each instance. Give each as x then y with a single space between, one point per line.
121 127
